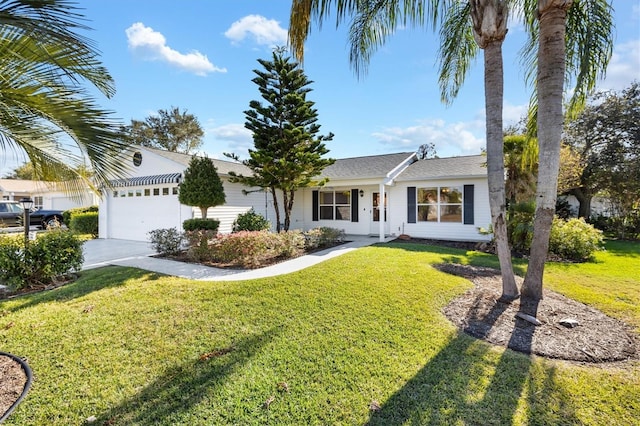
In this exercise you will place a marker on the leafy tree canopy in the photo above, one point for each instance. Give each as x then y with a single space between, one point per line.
427 150
288 150
201 186
170 130
606 137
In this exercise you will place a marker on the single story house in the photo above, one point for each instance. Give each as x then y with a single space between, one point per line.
379 195
45 195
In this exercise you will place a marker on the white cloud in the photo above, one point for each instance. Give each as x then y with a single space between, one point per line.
238 138
264 31
624 66
152 45
448 138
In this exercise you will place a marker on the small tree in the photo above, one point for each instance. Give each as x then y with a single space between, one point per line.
173 130
201 186
288 152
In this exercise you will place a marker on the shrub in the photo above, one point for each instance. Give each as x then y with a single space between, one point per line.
245 248
84 223
289 243
51 256
251 249
68 214
520 225
323 237
166 241
251 221
574 239
197 224
199 242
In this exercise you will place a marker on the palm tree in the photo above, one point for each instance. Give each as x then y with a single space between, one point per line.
586 27
463 22
45 112
589 37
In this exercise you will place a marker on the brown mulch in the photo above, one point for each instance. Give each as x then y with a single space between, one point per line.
12 382
479 312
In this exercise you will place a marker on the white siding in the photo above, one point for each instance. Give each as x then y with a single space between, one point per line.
302 214
237 203
442 231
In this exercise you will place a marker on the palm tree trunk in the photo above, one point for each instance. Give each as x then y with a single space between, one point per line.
494 87
551 73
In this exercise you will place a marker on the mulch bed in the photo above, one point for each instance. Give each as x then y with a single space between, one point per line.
12 382
480 313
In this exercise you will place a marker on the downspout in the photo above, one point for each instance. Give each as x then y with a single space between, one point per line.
381 212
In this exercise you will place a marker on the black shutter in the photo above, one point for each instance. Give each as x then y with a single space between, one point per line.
411 204
468 204
315 205
354 205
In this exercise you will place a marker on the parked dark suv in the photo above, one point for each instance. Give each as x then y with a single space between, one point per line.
12 214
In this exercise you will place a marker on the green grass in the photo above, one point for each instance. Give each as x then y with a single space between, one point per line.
125 345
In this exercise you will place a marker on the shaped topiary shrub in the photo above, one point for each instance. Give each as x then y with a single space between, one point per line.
84 223
68 214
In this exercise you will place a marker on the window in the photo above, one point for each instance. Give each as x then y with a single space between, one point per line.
130 193
138 192
115 194
38 202
335 205
165 191
440 204
156 191
147 192
174 190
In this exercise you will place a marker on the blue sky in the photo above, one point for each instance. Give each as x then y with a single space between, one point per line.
199 55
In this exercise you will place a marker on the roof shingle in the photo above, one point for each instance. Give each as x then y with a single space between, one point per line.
445 168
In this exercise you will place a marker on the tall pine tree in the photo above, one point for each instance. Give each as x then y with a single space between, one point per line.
288 151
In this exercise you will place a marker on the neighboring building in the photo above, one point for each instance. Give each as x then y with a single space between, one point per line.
441 198
45 195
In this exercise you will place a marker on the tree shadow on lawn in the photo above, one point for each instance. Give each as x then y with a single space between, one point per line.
172 395
454 255
452 389
623 248
88 282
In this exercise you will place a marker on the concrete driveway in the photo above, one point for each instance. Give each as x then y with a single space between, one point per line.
102 252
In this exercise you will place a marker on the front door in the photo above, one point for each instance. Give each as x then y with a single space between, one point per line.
378 212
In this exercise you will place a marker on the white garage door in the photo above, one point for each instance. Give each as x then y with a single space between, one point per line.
133 212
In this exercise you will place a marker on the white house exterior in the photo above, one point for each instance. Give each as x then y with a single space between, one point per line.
148 199
442 198
46 195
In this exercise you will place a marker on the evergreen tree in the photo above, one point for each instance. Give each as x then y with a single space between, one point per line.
288 150
201 186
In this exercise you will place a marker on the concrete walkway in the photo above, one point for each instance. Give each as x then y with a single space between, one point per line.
137 254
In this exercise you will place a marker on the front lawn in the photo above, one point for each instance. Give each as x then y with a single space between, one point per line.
359 339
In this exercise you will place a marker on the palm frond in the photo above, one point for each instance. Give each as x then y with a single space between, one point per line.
46 110
457 51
